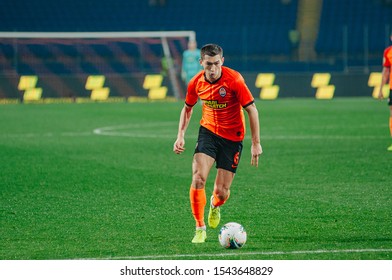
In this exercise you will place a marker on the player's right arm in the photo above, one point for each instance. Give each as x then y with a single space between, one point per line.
185 117
386 71
385 77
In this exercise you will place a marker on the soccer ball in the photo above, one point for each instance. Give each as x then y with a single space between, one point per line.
232 236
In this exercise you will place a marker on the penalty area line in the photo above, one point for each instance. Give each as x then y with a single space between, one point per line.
273 253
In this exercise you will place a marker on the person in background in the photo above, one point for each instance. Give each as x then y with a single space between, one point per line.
387 76
190 62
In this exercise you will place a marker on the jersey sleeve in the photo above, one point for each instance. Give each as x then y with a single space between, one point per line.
244 95
191 94
387 62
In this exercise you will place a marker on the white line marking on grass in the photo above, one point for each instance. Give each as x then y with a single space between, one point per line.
149 134
169 130
137 130
236 253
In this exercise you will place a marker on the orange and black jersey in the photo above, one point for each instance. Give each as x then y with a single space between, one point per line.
223 101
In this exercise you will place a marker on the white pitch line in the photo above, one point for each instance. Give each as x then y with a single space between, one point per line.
181 256
136 130
134 134
267 137
168 130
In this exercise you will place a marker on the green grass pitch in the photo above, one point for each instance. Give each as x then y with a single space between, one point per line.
100 181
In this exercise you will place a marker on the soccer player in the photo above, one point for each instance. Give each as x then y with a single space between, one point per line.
224 95
190 62
387 75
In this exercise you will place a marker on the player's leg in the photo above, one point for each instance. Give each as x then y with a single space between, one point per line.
390 121
223 181
221 193
201 166
227 162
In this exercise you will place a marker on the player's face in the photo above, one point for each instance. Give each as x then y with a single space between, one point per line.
212 67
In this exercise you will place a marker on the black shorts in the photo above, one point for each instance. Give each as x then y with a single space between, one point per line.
226 153
390 99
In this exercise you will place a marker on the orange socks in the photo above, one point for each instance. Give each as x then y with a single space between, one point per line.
217 202
198 202
390 125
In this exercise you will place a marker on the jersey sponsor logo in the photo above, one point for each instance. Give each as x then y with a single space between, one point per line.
222 92
214 104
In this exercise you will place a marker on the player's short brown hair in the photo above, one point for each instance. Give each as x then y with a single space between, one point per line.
211 50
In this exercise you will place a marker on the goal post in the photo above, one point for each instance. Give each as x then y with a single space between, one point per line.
94 53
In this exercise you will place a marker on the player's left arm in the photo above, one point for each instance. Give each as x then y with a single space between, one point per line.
256 149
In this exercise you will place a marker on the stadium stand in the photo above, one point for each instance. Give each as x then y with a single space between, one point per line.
254 34
250 27
357 25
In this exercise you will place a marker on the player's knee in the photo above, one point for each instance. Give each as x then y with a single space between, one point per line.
222 193
199 181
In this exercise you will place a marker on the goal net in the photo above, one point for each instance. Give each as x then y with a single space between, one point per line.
73 65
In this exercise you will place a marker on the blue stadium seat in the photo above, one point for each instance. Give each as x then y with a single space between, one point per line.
265 23
356 24
251 28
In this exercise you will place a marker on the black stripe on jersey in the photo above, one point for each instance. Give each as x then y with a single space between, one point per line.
250 103
190 104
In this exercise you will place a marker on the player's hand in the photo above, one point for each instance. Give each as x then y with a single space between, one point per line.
179 146
380 95
256 151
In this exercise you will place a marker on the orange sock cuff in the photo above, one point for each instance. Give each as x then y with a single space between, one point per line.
390 125
198 201
218 202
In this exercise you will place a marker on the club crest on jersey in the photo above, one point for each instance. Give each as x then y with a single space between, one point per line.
222 92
